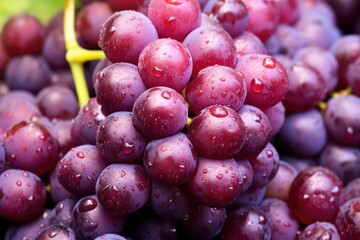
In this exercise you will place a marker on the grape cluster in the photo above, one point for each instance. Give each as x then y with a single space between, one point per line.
207 119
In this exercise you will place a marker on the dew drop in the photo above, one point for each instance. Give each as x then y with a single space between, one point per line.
181 168
174 2
18 183
222 79
39 151
170 22
269 62
128 148
269 153
123 173
87 204
218 111
205 171
112 29
256 85
306 196
356 207
219 176
166 95
157 72
335 189
80 155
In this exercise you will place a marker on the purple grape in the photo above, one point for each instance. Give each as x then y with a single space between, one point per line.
288 10
123 188
3 163
203 222
22 195
347 219
54 50
80 168
56 232
87 122
246 222
276 116
258 131
110 236
316 195
216 183
118 141
352 189
62 212
118 5
165 62
247 173
216 85
352 76
252 196
303 134
125 34
217 132
342 120
30 146
209 46
63 78
174 18
117 86
62 133
91 219
248 43
159 112
319 230
265 77
4 57
282 221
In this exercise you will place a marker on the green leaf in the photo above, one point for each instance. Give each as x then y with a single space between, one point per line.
42 9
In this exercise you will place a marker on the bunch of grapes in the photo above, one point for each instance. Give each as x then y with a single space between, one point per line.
181 119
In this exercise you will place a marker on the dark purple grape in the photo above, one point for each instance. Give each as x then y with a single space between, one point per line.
300 163
232 15
279 186
264 18
247 173
203 222
216 85
257 128
216 183
217 132
282 221
165 62
117 86
319 230
209 46
171 160
266 79
63 78
342 119
22 195
54 49
80 168
276 116
62 133
252 196
4 57
347 219
87 122
23 34
343 160
62 212
89 21
30 146
248 43
174 18
57 102
123 188
352 76
125 34
118 5
352 189
316 195
159 112
56 232
303 134
246 222
91 219
265 165
170 201
288 10
118 141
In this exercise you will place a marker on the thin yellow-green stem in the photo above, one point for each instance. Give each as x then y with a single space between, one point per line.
81 55
69 25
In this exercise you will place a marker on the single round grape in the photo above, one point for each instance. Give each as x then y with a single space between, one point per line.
63 78
217 132
30 146
171 160
62 212
117 86
216 85
319 230
248 43
123 188
246 222
118 141
342 120
316 195
80 168
174 18
209 46
288 10
91 219
216 183
159 112
56 232
22 195
266 79
352 189
62 133
247 173
23 34
276 116
165 62
118 5
125 34
257 128
347 219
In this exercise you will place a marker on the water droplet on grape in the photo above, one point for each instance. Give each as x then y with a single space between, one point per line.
256 85
87 204
18 183
170 22
31 198
123 173
306 196
80 155
128 148
335 189
181 168
157 72
205 171
218 111
356 207
174 2
262 220
166 95
269 153
269 62
219 176
39 151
